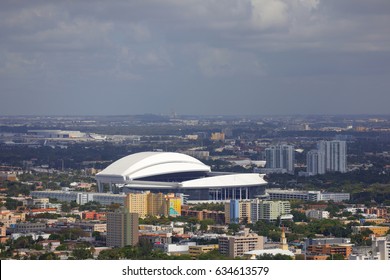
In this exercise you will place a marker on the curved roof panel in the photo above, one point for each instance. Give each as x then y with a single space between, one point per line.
226 181
147 164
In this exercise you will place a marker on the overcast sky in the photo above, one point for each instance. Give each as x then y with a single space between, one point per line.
209 57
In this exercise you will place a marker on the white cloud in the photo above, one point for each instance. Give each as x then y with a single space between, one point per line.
269 14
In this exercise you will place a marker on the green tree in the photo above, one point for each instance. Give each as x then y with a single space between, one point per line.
273 257
110 254
206 222
48 256
82 253
212 255
336 257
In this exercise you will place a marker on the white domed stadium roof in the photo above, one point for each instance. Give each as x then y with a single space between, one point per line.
146 164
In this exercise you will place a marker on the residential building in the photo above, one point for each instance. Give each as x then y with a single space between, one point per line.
268 210
137 203
9 217
217 216
335 155
342 249
237 245
280 157
315 161
317 214
122 228
379 212
237 211
156 205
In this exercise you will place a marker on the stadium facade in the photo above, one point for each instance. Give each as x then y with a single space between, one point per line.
169 172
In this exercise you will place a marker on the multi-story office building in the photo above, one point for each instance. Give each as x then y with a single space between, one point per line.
335 155
315 161
237 245
280 157
122 228
237 211
268 210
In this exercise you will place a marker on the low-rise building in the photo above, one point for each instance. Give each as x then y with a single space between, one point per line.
376 230
237 245
317 214
196 250
342 249
27 227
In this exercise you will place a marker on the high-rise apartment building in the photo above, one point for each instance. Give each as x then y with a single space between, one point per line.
335 155
315 161
237 211
156 204
122 228
137 203
280 157
268 210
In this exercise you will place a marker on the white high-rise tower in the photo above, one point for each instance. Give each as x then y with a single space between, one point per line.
335 155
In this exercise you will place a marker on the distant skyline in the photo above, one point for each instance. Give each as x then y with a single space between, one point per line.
196 57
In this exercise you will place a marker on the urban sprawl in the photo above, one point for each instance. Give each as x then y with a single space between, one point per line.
195 187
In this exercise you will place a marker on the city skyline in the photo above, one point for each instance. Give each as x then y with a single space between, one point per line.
251 57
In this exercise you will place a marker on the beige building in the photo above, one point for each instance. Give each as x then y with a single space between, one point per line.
217 136
137 203
196 250
153 204
268 210
376 230
238 211
8 217
156 204
122 228
236 246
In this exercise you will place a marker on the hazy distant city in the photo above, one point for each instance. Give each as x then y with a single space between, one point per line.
195 187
